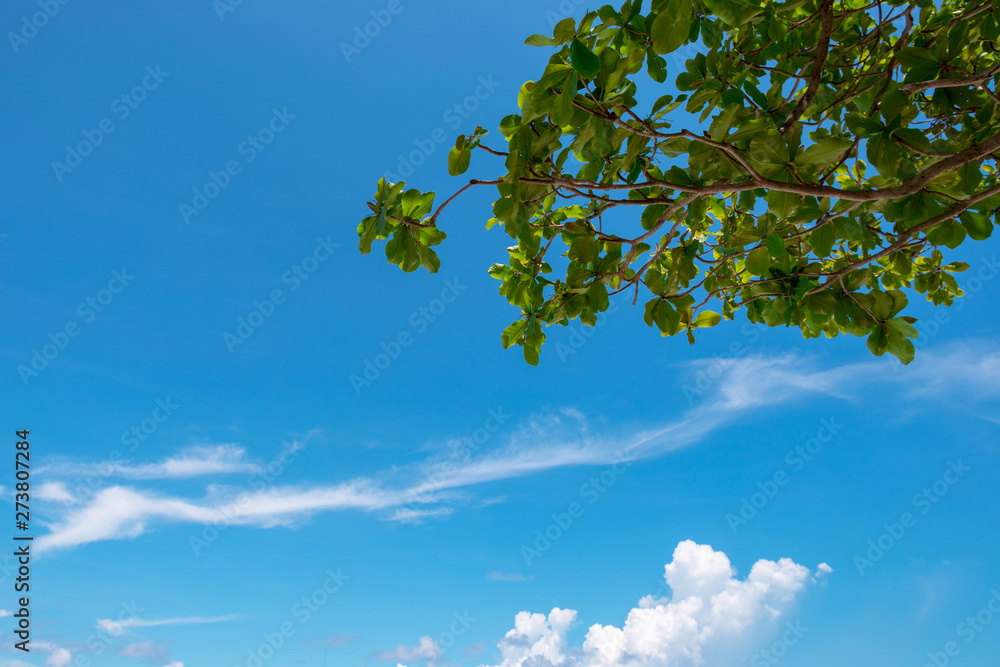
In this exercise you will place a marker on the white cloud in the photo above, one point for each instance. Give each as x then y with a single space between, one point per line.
969 369
58 656
115 628
121 512
430 488
414 494
427 650
712 619
148 650
410 515
537 640
55 492
192 462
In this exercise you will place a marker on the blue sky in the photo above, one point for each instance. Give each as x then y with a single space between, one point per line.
197 499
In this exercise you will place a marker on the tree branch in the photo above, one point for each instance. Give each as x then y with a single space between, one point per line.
908 234
822 50
433 219
973 80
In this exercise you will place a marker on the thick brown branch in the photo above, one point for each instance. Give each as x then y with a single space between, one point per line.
822 50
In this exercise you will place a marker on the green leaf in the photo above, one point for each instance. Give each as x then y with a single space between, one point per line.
782 203
775 245
902 327
824 152
885 154
428 259
878 340
662 102
898 333
651 215
723 121
583 59
562 110
758 261
978 225
733 12
564 31
512 334
914 56
899 302
657 68
881 305
863 126
913 137
530 354
892 104
458 161
666 318
539 40
671 27
970 176
822 240
768 152
365 246
706 319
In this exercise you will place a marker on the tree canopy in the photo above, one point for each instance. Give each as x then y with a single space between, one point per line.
838 145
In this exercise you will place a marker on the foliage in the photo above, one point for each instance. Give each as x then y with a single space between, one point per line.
839 145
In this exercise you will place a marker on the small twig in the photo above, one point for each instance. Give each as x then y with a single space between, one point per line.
433 218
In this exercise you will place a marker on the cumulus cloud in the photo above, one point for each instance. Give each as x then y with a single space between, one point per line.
537 639
426 649
712 618
58 656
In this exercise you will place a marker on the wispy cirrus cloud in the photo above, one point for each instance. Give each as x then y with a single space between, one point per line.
431 488
116 628
121 512
958 371
193 461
